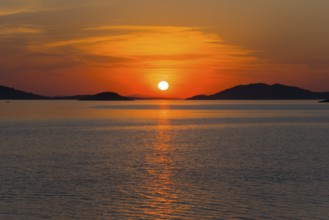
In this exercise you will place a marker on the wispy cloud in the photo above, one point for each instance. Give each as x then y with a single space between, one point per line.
19 30
10 7
158 44
144 28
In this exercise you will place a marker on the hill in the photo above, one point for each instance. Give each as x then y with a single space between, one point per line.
260 91
106 96
11 93
7 93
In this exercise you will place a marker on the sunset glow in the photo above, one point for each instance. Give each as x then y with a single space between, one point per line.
111 50
172 109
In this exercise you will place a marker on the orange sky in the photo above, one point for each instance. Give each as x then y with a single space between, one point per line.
200 47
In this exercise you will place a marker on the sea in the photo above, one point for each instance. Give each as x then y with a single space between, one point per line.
162 159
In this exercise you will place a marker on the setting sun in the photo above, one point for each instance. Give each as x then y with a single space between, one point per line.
137 109
163 85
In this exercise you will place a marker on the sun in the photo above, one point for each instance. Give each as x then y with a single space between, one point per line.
163 85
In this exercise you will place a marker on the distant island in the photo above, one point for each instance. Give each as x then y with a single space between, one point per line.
258 91
13 94
7 93
262 91
105 96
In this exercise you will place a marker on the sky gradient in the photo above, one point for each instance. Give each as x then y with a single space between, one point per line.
57 47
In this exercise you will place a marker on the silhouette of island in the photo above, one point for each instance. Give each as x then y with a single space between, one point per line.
106 96
13 94
262 91
7 93
256 91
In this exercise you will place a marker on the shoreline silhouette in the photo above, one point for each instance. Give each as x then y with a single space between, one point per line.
257 91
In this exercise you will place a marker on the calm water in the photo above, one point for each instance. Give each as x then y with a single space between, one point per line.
164 160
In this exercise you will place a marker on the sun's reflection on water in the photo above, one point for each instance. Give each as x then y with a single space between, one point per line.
160 192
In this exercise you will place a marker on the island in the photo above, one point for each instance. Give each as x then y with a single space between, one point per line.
7 93
258 91
106 96
262 91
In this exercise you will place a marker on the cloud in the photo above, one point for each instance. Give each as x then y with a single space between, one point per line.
17 7
136 47
162 45
281 31
144 28
11 7
9 31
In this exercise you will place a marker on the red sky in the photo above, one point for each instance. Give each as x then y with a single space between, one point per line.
200 47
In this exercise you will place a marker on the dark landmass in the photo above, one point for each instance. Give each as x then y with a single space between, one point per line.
7 93
259 91
106 96
13 94
262 91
